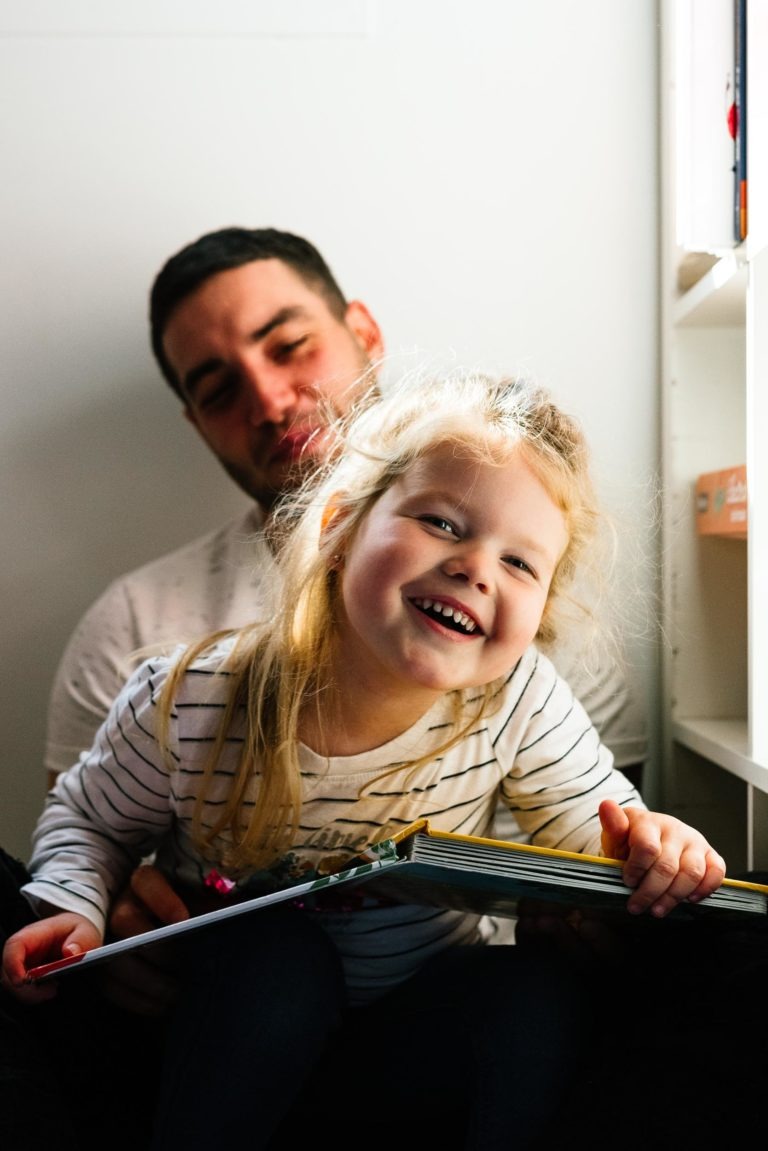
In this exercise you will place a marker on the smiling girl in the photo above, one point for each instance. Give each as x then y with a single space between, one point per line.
399 678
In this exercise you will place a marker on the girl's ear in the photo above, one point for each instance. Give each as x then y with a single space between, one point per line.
331 517
330 511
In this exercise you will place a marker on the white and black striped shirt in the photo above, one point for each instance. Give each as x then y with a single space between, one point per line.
537 749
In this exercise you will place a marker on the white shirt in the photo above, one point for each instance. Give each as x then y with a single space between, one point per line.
214 582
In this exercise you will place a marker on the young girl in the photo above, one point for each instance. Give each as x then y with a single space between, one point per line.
398 678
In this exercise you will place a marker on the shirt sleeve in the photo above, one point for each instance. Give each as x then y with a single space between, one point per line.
93 669
108 810
557 769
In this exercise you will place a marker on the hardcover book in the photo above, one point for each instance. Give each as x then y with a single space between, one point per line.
705 97
423 865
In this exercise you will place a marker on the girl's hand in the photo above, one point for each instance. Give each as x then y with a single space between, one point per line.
52 938
666 861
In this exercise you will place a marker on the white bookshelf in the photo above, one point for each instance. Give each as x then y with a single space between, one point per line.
714 376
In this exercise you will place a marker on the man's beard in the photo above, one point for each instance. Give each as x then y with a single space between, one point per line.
267 494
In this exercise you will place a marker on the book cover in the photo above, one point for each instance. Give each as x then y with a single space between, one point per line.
705 114
740 120
362 871
423 865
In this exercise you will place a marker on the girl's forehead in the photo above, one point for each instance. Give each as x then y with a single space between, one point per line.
459 462
498 462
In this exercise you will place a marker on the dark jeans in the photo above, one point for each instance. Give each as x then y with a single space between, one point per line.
33 1107
475 1051
682 1044
481 1042
487 1047
75 1073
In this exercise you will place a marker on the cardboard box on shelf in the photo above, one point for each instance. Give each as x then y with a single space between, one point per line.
721 503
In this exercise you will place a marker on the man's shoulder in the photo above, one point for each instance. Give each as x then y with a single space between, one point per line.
213 582
230 543
208 664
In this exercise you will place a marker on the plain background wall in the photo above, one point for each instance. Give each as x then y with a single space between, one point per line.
481 172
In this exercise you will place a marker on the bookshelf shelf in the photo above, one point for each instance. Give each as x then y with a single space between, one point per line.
726 743
718 299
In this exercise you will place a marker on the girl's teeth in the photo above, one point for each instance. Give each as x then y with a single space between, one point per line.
452 613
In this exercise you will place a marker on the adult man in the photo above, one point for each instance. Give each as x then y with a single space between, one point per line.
252 332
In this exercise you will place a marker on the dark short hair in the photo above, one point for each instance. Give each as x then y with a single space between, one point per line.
230 248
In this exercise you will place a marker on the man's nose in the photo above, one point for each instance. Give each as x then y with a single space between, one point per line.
272 397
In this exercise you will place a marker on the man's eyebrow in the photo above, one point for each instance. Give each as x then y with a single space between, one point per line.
194 375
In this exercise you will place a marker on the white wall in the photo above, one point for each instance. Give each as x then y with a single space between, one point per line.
481 172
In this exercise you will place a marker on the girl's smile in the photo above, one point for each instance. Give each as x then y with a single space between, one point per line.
448 613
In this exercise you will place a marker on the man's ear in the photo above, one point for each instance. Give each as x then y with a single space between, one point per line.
365 329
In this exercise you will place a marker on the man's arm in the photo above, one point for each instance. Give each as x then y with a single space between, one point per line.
95 665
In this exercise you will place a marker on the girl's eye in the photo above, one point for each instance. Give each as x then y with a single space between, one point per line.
440 523
520 564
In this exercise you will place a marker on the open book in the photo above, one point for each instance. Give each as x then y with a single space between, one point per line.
440 868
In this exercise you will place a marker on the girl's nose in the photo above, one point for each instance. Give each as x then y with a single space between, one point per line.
471 566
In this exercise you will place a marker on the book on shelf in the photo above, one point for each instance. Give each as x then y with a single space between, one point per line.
740 121
721 503
423 865
705 130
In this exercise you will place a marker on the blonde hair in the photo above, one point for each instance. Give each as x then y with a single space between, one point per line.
280 668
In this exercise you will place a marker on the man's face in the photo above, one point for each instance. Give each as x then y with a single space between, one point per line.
255 351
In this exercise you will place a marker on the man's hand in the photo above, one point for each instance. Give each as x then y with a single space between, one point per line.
580 934
148 901
143 981
665 860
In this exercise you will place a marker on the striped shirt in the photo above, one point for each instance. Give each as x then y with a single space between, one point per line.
537 750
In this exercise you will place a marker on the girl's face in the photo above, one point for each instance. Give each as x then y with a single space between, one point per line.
446 580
